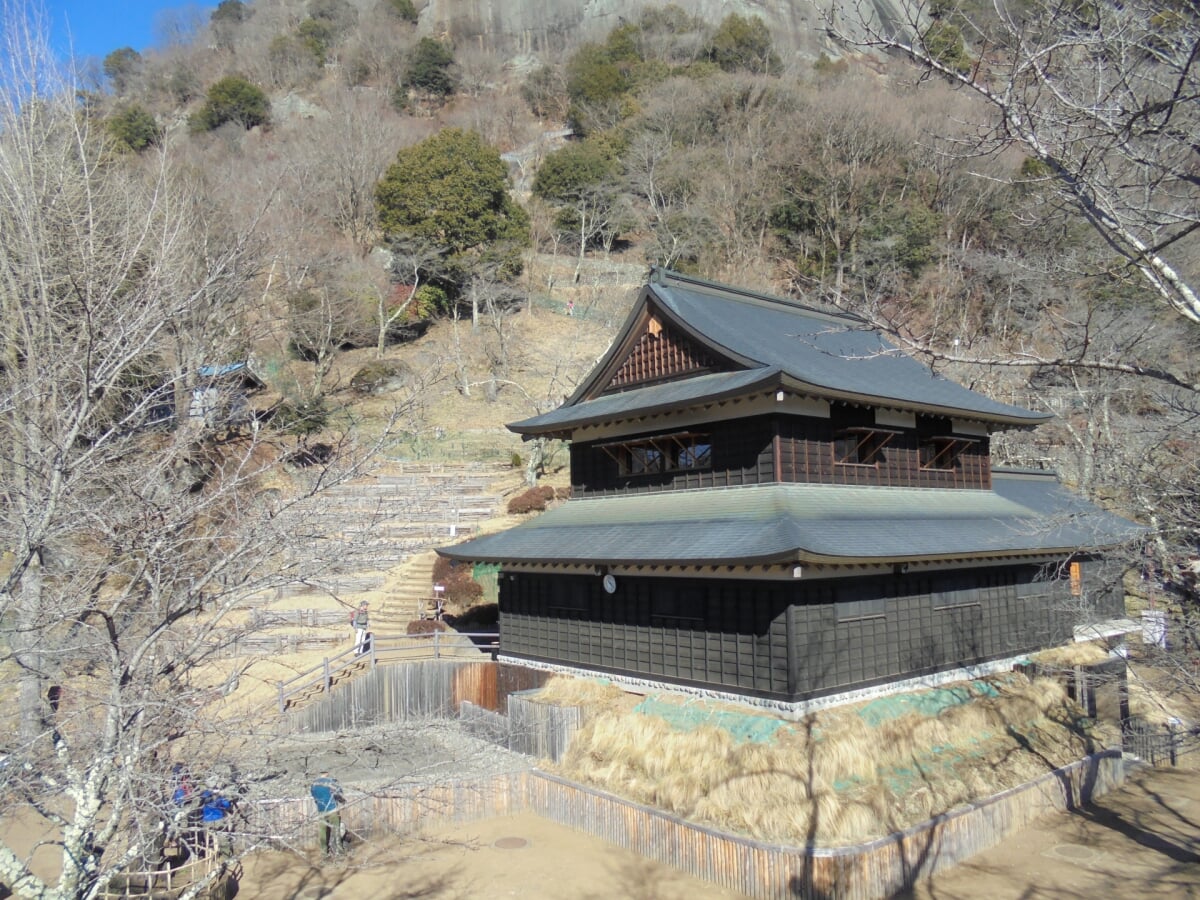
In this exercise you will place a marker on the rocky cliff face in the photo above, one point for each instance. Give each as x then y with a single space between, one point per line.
546 26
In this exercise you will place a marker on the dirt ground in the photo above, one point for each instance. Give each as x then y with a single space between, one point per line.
1141 841
512 856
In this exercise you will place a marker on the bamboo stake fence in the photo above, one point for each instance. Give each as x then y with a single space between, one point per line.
867 871
478 692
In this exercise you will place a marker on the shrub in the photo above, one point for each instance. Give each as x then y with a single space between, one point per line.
231 12
462 590
744 43
378 376
134 128
401 9
425 626
451 191
944 43
339 14
182 84
302 417
429 69
534 499
310 455
430 301
232 99
316 35
121 66
480 617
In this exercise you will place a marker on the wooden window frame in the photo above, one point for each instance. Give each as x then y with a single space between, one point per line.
869 443
941 453
669 450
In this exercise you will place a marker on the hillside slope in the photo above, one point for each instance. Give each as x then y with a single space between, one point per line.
529 26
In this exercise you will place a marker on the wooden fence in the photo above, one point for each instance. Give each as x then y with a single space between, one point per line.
434 687
540 730
294 821
875 869
476 692
879 868
383 649
171 878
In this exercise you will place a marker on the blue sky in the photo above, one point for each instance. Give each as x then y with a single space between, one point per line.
97 27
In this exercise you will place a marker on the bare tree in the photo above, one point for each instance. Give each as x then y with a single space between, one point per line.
131 533
1102 98
343 156
413 260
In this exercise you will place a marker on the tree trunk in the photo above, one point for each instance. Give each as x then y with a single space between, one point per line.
24 641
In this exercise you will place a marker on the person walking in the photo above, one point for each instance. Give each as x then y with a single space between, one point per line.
361 621
327 795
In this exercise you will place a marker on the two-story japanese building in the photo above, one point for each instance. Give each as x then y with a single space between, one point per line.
774 502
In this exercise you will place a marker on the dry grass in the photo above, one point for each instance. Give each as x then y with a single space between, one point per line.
1081 654
593 693
833 777
1155 696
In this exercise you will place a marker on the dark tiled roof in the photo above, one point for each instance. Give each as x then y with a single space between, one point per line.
837 353
1025 513
832 356
667 397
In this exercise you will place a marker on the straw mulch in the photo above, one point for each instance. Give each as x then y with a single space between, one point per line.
834 777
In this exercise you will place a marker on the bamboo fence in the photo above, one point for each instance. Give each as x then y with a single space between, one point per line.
875 869
479 692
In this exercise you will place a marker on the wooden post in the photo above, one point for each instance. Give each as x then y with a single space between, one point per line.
282 704
327 680
436 653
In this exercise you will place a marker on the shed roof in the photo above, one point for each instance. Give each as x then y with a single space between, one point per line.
827 355
1025 513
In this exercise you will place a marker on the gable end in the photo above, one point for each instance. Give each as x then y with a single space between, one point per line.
662 353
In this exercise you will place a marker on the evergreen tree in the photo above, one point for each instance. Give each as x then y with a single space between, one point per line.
430 70
451 190
121 66
232 99
134 128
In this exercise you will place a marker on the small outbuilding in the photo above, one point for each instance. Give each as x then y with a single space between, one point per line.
773 502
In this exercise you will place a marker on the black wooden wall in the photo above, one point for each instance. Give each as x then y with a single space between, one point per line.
791 641
766 449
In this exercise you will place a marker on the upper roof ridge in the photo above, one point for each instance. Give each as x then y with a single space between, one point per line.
669 278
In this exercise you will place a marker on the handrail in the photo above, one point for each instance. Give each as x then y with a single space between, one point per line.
143 884
386 645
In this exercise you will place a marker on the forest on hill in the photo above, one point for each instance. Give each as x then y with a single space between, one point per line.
860 181
386 222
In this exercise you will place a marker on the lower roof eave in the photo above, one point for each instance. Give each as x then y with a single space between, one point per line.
791 565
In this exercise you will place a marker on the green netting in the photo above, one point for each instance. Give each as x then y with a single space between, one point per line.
687 716
927 703
488 576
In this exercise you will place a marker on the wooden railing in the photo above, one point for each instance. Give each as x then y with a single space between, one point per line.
388 648
167 880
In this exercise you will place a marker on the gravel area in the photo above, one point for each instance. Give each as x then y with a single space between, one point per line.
371 760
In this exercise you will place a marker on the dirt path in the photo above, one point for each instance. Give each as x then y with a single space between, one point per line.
513 856
1142 841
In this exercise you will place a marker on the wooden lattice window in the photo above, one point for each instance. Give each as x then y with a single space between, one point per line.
943 452
665 453
861 446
